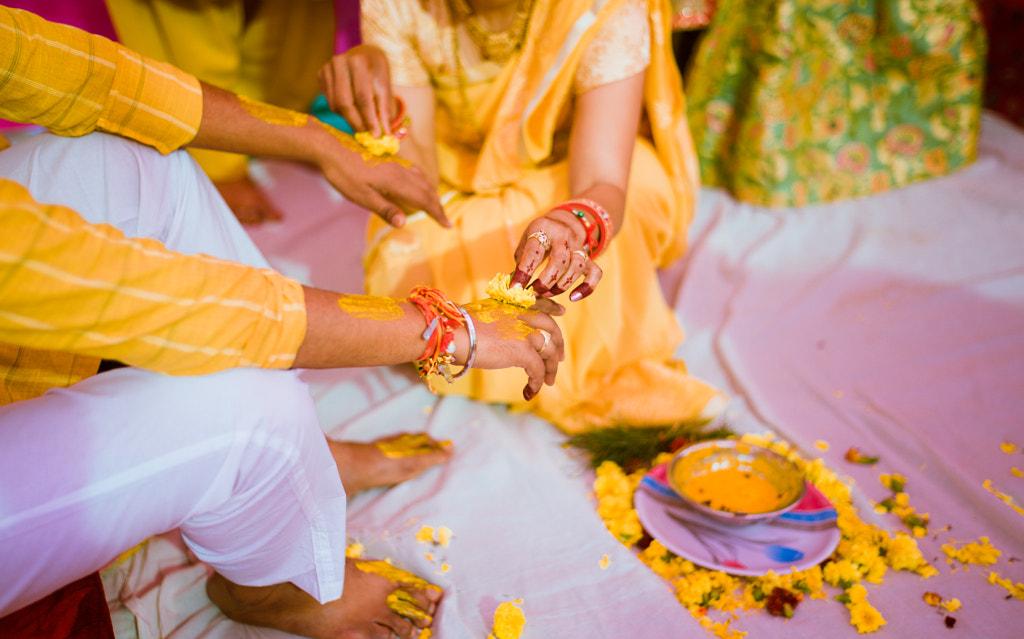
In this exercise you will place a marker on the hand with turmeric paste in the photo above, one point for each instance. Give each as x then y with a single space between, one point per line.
361 330
388 187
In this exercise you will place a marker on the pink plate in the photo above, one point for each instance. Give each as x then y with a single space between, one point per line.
801 538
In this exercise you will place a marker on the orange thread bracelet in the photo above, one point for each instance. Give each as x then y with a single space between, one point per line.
442 317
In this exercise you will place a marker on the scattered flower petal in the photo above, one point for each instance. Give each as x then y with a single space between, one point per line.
854 456
508 621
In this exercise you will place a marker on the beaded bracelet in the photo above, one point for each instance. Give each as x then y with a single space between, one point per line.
442 317
599 231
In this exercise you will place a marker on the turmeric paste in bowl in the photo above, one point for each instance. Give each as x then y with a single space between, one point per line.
735 482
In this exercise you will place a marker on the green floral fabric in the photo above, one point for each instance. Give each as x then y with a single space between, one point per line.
793 102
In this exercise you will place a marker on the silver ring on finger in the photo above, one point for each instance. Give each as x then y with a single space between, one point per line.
583 254
541 237
547 339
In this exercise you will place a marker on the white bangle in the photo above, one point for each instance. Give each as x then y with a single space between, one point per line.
472 343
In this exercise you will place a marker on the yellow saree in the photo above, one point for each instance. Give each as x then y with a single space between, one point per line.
501 138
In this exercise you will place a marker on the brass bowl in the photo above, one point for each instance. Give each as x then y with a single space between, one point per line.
736 483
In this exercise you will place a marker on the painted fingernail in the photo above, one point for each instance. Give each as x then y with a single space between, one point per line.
558 290
528 393
539 287
581 291
520 278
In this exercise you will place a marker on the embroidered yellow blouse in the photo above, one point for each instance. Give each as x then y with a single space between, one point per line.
132 300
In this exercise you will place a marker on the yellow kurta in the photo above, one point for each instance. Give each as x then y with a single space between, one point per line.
134 300
620 341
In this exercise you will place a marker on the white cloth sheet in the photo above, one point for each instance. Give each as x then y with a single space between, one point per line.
893 323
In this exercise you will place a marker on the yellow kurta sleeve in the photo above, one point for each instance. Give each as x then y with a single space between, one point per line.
133 300
73 82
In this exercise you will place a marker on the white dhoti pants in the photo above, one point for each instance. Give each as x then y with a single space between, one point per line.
236 460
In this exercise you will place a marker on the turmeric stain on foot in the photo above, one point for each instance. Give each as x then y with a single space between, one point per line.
409 444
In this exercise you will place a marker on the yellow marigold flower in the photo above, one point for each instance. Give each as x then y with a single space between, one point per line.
865 618
857 594
952 605
499 289
979 552
862 551
893 482
508 621
354 550
876 572
919 531
692 590
614 491
1017 590
811 581
384 145
902 553
841 573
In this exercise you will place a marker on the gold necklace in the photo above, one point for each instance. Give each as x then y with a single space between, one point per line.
500 46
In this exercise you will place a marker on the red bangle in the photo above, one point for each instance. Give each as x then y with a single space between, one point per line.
401 122
599 232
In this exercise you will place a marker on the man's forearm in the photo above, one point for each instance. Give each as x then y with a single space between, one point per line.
359 330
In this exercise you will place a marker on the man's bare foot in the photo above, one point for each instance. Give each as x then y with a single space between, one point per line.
386 461
247 202
363 612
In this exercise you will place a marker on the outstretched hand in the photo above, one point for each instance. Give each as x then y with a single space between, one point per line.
559 237
527 338
389 187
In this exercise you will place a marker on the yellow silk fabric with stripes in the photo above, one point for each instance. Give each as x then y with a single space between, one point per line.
132 300
73 83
